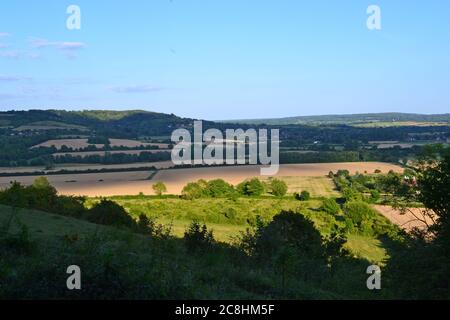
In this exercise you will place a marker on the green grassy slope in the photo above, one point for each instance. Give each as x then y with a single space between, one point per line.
37 247
228 218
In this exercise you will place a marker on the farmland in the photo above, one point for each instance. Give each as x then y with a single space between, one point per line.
298 176
96 184
210 240
406 220
83 143
102 153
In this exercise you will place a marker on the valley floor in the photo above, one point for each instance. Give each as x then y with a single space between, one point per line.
133 183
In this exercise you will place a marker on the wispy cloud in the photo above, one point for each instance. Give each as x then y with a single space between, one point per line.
34 56
68 48
4 34
135 89
14 78
3 46
10 54
63 45
71 45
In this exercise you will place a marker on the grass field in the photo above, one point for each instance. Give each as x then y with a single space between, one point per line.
120 264
43 224
316 186
228 218
180 213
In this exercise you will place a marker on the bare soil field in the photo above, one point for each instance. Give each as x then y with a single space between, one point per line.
406 221
83 143
98 184
132 183
177 179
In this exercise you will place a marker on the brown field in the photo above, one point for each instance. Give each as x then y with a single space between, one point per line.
102 153
93 184
177 179
83 143
406 221
132 183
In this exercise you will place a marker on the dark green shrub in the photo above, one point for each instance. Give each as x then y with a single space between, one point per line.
198 238
70 206
109 213
303 196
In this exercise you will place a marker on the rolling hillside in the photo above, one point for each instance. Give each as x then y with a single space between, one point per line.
116 264
355 119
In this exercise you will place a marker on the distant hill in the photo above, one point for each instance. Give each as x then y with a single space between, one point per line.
384 119
103 122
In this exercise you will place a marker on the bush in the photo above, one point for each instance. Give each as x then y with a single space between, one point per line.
41 195
145 225
279 188
107 212
70 206
193 190
219 188
360 214
303 196
374 196
343 173
159 188
198 238
253 187
330 206
350 194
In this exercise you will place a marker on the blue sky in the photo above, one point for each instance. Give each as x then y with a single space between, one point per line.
226 59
